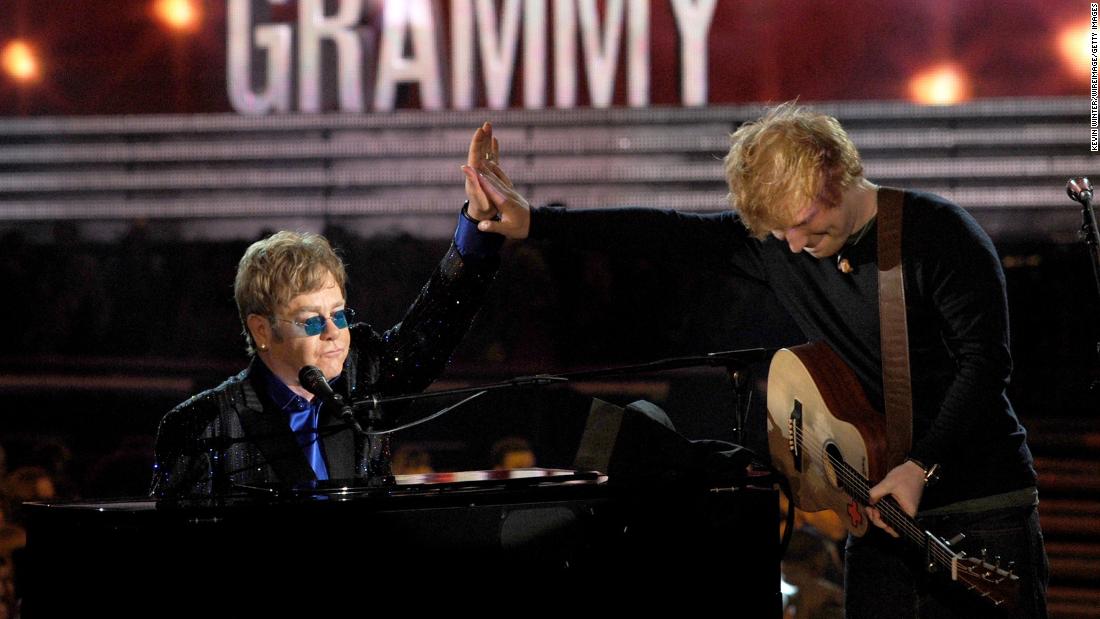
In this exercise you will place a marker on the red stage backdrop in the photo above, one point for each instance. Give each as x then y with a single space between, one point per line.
287 56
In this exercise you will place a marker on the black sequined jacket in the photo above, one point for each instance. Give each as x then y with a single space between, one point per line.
407 358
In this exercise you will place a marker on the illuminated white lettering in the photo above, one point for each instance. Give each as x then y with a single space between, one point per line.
565 54
601 52
484 36
313 26
638 54
462 54
415 19
534 54
498 49
276 41
693 19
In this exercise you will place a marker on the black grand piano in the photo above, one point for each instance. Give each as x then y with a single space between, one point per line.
673 521
558 535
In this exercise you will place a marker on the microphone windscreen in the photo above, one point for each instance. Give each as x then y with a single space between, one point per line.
313 379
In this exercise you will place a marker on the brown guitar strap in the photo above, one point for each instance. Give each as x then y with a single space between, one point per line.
896 383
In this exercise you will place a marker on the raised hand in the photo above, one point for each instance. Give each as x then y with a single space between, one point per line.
515 213
483 147
494 202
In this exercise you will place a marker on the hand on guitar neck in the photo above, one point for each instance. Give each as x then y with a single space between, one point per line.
905 483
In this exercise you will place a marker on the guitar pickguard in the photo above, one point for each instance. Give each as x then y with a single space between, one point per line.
855 514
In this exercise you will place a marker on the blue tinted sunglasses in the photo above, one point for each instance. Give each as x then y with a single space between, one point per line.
316 324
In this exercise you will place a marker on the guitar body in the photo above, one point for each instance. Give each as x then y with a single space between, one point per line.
813 395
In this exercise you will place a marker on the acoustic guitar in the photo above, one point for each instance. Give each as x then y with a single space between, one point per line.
830 443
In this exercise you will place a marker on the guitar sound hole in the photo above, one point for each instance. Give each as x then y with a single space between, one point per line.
833 459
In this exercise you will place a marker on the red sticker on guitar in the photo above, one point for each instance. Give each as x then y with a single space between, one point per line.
854 514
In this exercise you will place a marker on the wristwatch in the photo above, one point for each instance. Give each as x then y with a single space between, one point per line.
931 473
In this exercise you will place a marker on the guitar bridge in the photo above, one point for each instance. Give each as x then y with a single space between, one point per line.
794 427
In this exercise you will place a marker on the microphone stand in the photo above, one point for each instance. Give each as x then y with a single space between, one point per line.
1080 191
736 362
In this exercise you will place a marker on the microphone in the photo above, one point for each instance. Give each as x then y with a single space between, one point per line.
1079 190
313 379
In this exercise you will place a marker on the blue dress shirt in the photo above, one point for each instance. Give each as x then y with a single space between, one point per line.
303 417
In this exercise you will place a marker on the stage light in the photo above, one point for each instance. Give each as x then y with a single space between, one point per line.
1074 46
942 84
180 15
20 62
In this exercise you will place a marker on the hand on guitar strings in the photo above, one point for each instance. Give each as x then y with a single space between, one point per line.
905 483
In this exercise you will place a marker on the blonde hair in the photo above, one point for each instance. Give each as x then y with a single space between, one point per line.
277 269
780 163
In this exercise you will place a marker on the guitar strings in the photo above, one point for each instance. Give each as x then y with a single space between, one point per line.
935 547
843 471
901 520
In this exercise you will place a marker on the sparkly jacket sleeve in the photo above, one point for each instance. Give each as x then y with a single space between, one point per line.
411 354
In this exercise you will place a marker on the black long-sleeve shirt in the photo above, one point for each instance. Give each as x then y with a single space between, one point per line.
957 318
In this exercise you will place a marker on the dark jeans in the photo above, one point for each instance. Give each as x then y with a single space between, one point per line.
885 577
